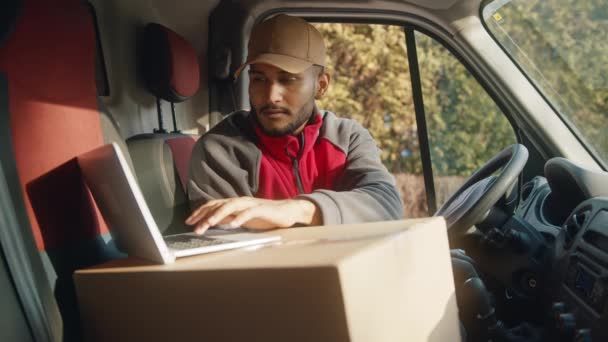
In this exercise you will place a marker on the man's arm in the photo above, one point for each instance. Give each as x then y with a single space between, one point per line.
220 166
222 183
254 213
366 191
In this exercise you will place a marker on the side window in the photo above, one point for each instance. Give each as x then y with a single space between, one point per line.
371 84
465 127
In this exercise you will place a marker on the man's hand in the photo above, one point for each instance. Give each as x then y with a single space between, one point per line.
254 213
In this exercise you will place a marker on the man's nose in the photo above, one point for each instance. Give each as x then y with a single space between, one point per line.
275 93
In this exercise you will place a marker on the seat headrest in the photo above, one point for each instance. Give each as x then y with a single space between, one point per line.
170 64
9 11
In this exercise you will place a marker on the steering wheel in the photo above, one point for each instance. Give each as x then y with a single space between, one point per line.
473 200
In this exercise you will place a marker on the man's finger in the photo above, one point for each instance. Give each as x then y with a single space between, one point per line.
201 220
201 229
242 217
229 208
201 213
261 217
201 209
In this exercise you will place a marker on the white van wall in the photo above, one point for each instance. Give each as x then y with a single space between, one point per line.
131 105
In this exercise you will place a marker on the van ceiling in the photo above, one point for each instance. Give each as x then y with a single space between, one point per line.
445 13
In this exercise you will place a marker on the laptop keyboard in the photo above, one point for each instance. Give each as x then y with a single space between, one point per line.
181 242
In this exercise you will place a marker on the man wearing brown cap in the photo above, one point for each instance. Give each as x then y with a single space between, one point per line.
286 162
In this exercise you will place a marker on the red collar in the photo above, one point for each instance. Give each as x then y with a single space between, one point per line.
287 147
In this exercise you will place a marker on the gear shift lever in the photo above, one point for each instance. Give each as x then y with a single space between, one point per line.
477 300
476 297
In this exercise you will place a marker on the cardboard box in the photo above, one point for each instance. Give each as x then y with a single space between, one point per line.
385 281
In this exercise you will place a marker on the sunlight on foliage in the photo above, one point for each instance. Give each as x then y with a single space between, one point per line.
371 84
560 44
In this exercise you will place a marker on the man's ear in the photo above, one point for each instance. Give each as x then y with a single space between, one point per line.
323 81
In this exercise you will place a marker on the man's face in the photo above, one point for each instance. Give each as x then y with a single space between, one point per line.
283 101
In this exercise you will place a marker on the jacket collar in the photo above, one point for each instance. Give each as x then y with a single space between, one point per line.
288 147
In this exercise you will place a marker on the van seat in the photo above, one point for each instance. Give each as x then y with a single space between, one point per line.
161 160
158 162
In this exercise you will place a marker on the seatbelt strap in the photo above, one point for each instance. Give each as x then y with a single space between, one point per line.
227 99
221 87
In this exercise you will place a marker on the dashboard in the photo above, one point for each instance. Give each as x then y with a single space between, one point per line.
569 208
581 268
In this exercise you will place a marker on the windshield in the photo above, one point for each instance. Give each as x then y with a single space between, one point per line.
561 45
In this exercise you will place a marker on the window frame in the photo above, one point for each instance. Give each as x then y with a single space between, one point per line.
503 108
406 22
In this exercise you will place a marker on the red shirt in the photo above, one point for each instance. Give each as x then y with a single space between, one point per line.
298 164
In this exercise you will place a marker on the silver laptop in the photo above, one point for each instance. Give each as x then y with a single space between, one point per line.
131 224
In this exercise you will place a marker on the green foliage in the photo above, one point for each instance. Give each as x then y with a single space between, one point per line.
371 84
466 128
561 45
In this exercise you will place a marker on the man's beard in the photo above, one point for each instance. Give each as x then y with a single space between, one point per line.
300 119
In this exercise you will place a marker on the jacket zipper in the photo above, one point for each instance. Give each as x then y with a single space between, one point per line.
296 172
295 162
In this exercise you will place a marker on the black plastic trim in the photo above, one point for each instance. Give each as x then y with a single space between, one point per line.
9 14
423 137
101 73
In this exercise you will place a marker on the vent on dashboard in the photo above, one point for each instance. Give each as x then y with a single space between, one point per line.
574 224
596 239
588 259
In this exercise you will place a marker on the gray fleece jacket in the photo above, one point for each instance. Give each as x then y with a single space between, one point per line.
335 162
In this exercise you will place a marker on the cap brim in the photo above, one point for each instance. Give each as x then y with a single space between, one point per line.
283 62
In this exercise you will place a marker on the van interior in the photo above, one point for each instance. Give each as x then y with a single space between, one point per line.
523 191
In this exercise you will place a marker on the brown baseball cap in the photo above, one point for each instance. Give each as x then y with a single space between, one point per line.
286 42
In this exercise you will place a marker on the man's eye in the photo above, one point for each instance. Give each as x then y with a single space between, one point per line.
289 79
258 78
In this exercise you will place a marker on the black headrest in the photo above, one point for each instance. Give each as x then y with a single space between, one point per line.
9 11
169 64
